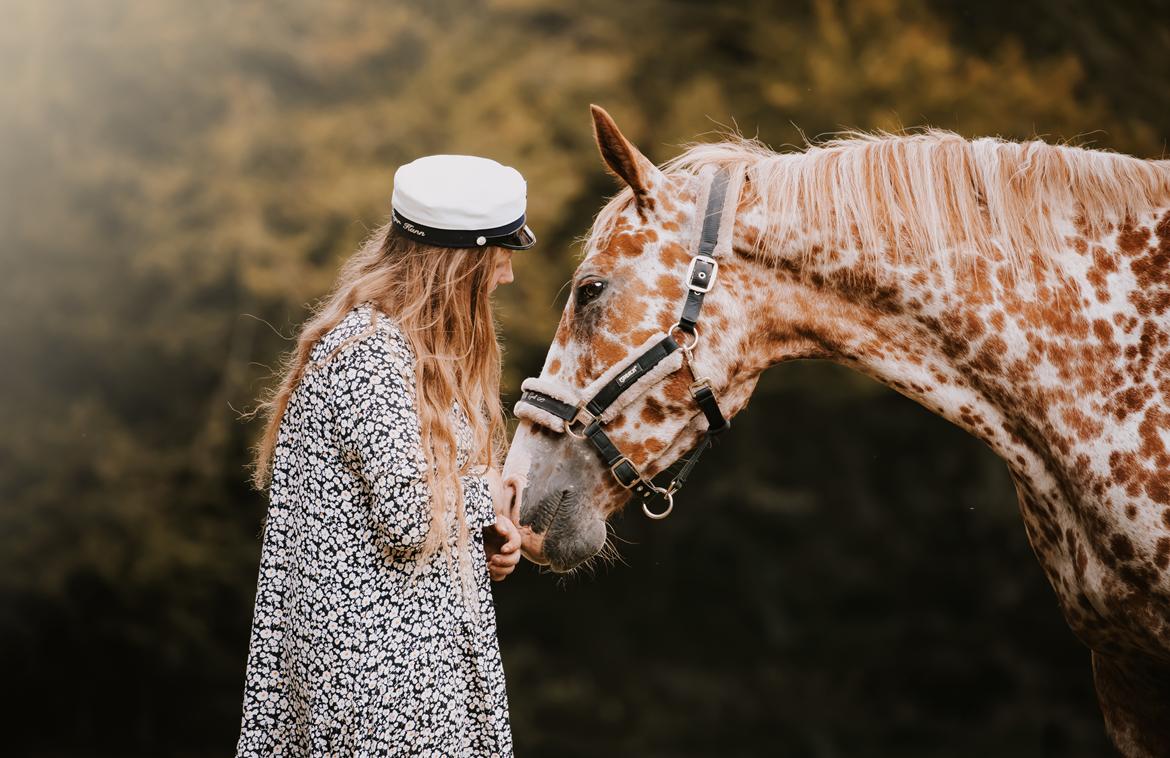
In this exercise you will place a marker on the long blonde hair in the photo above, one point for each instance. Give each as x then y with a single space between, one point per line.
439 299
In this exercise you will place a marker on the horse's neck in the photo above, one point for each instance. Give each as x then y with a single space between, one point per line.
1009 354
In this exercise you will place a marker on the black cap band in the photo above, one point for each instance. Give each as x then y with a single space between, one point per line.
505 235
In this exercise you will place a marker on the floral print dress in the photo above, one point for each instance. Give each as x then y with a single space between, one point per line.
359 646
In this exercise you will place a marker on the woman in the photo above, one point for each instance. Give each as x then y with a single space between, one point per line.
374 631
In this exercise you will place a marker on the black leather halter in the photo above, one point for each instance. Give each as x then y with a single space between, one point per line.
700 279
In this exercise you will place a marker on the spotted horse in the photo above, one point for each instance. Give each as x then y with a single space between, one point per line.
1020 290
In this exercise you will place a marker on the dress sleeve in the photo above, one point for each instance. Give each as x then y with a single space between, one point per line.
477 499
378 431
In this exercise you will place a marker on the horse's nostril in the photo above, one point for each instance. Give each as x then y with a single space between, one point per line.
547 509
512 488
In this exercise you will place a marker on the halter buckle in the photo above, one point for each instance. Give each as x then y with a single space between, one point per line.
702 281
582 417
624 460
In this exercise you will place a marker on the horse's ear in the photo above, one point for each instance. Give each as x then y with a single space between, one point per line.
623 158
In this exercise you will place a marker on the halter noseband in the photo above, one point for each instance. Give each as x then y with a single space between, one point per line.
587 414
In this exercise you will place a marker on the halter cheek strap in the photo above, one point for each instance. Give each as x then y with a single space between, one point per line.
547 402
704 268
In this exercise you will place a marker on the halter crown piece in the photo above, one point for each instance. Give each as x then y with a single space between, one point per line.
585 419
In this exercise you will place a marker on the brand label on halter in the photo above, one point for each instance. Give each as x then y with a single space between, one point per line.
628 374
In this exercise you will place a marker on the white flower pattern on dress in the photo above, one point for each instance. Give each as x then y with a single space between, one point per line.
360 647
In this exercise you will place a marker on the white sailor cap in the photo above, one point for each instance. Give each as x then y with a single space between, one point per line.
461 201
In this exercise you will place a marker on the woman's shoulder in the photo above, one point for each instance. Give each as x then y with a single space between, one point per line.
365 341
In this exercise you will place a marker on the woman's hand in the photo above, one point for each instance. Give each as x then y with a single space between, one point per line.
501 542
501 495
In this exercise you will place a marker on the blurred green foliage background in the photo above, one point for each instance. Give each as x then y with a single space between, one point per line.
178 180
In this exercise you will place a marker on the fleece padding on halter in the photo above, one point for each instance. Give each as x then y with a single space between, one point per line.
563 397
726 235
665 367
733 186
538 389
673 359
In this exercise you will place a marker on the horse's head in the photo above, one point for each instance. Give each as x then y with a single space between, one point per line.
627 296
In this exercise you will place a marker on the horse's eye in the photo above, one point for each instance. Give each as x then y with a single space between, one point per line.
589 290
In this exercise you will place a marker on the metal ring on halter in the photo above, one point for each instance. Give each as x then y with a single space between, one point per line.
569 429
669 495
687 348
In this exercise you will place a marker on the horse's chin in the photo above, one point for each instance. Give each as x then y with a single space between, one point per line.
561 557
564 568
574 546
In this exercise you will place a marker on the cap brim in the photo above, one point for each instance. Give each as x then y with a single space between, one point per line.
521 239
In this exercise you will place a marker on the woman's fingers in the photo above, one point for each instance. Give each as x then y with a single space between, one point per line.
505 559
506 529
500 565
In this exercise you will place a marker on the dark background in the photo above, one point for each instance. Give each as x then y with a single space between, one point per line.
846 574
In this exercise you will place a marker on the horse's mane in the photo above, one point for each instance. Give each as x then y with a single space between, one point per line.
936 196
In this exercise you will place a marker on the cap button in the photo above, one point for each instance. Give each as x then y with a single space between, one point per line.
481 240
